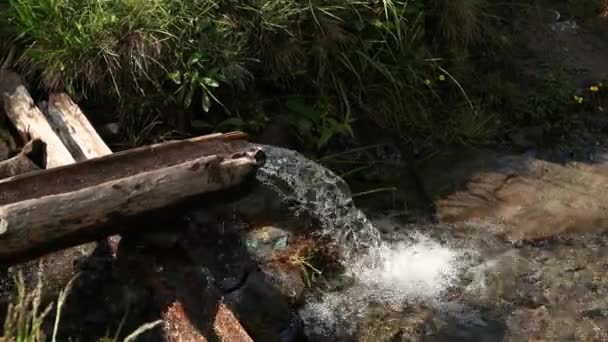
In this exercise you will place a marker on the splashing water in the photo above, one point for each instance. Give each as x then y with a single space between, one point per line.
390 274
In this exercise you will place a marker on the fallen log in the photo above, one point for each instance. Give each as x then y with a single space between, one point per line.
74 128
28 160
34 226
29 120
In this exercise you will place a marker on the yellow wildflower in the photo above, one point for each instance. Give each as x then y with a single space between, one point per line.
594 89
441 77
427 82
578 99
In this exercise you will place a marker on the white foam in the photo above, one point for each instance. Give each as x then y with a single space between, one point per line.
389 275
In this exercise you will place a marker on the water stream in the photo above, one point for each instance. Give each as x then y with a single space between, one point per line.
407 268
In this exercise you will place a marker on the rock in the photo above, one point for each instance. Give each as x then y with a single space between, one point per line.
528 199
528 324
270 245
262 310
265 242
287 281
182 296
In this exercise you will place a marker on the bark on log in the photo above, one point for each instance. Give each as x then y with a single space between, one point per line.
39 224
117 165
29 120
28 160
74 128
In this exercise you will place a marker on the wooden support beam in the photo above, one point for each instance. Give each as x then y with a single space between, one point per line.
74 129
29 121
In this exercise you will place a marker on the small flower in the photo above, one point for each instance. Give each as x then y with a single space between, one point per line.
578 99
594 89
600 84
441 77
427 82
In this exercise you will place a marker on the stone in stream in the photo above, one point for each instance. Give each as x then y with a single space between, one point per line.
526 198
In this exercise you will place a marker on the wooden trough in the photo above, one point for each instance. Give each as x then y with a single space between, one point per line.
42 209
86 189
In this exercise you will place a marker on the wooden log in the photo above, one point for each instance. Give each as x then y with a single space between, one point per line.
29 120
42 224
74 129
118 165
28 160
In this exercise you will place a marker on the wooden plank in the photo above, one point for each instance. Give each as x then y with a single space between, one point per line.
74 129
29 120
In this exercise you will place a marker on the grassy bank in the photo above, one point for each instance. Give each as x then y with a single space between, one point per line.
435 71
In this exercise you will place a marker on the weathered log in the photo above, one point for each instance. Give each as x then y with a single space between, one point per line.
117 165
29 120
36 224
74 128
28 160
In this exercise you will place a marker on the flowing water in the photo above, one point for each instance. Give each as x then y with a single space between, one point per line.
411 267
430 282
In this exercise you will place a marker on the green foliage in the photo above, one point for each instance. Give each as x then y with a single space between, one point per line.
353 57
458 23
25 316
315 124
550 102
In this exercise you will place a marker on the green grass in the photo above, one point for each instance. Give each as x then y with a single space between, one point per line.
25 316
355 57
416 68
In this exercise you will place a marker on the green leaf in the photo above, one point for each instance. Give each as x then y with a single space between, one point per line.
327 134
206 102
210 82
298 106
194 77
175 77
188 98
195 58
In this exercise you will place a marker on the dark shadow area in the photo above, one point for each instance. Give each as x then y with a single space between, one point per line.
188 266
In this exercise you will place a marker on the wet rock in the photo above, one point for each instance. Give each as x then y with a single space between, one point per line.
528 324
508 276
262 310
528 199
271 247
287 281
265 242
180 294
